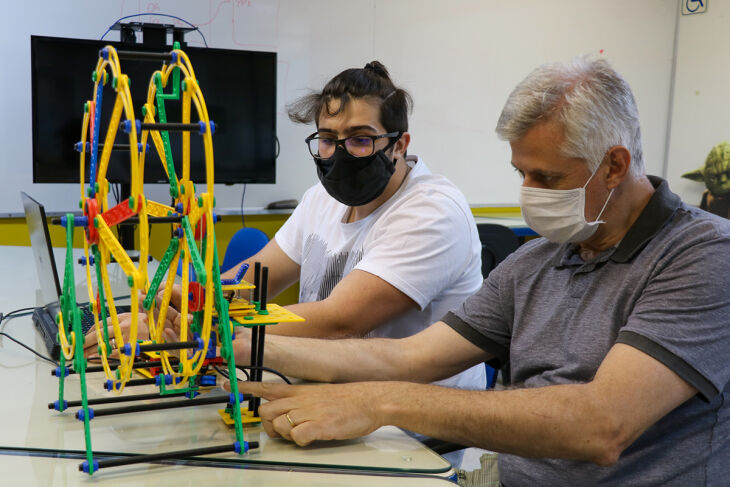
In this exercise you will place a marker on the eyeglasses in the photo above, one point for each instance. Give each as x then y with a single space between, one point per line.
358 145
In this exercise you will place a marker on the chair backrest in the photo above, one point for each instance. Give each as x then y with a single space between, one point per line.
245 243
498 242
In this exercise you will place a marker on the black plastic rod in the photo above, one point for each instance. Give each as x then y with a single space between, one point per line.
172 126
145 56
117 399
254 361
136 365
264 286
172 455
136 408
133 220
259 368
156 347
139 382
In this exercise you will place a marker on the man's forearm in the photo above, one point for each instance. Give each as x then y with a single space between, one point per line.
323 360
556 421
319 322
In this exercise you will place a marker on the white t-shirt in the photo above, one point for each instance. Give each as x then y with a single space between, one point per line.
423 241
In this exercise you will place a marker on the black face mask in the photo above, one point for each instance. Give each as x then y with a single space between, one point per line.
355 181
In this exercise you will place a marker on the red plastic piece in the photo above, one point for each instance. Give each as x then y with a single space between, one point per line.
196 296
91 210
98 304
213 361
118 214
200 229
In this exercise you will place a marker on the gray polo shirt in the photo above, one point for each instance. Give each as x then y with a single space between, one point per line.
664 290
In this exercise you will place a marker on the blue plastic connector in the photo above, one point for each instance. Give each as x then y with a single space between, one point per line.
127 349
211 345
232 398
91 261
79 146
204 127
80 414
57 405
208 380
109 385
237 447
192 394
201 343
173 58
79 221
94 466
167 377
127 126
179 207
105 53
57 372
237 278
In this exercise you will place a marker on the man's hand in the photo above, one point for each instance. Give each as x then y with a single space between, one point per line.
125 320
171 329
304 414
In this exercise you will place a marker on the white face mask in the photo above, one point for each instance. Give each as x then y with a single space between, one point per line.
559 214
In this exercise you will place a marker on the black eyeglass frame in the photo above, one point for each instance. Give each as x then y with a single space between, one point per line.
395 136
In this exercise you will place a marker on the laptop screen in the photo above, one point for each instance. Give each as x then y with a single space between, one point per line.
40 241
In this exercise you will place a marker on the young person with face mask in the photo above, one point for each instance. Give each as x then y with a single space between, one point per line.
616 325
381 247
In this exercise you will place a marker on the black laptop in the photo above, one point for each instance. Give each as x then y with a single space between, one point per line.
50 286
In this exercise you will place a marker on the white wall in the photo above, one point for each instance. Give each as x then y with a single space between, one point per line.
459 59
701 102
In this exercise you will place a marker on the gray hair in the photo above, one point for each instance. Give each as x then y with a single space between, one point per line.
592 102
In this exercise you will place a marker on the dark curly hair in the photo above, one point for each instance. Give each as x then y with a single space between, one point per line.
371 82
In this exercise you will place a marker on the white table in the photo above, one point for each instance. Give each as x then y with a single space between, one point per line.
43 471
27 423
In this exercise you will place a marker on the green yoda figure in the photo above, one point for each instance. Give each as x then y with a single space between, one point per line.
716 176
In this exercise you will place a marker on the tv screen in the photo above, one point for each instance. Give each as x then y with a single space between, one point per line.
239 88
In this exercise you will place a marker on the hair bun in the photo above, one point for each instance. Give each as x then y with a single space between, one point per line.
377 68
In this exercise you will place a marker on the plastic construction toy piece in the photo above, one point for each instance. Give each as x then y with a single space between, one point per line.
178 368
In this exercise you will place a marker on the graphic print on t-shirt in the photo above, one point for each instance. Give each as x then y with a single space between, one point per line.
322 270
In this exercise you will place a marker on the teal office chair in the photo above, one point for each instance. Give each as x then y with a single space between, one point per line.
245 243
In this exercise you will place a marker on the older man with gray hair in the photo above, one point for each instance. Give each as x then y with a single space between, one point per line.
616 324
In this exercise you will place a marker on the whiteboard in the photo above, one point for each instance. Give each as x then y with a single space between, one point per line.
459 59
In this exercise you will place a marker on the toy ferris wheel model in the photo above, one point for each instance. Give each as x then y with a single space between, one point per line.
176 368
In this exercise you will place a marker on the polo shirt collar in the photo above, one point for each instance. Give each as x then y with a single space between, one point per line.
661 207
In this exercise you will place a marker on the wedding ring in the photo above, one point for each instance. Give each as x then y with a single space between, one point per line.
291 422
113 343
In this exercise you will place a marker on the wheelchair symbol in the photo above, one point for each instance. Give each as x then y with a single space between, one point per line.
693 5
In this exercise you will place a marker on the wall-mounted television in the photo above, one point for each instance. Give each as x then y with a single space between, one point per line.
239 88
